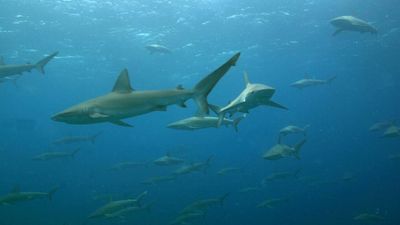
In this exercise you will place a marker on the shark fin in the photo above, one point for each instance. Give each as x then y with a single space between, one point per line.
52 191
182 104
276 105
216 109
237 121
246 78
120 123
40 65
297 148
179 87
205 86
123 84
337 32
328 81
2 61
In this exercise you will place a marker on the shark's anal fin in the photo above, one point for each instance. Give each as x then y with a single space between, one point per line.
120 123
337 32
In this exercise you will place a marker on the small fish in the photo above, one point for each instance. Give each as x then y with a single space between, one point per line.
76 139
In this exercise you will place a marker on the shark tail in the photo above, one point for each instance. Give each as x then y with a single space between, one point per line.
237 121
40 65
297 148
141 196
73 153
221 115
329 81
222 198
305 128
205 86
52 191
93 138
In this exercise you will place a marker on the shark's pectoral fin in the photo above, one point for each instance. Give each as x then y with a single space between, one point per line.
276 105
120 123
337 32
97 115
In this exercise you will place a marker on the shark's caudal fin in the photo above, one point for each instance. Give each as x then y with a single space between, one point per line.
141 196
40 65
205 86
73 153
94 137
237 121
297 148
52 191
222 198
329 81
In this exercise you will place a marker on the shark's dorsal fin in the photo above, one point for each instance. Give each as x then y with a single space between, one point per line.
123 84
15 189
246 78
2 61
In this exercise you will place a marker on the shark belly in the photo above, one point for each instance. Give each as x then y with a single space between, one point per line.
10 70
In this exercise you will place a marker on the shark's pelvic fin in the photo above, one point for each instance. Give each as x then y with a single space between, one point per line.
123 84
204 86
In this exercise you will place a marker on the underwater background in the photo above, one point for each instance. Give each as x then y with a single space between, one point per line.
344 171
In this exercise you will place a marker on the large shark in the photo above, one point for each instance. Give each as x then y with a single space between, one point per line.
11 70
252 96
309 82
124 102
351 23
17 196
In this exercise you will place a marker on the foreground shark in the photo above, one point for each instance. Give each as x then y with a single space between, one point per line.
351 23
252 96
124 102
308 82
11 70
17 196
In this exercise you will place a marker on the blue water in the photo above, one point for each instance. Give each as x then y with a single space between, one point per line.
280 42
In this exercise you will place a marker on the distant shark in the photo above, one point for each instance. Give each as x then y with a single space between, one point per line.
351 23
308 82
155 48
124 102
7 71
252 96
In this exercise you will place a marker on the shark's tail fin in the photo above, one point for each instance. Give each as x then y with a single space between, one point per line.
52 191
222 198
73 153
329 81
93 137
40 65
297 148
305 128
205 86
221 115
140 197
237 121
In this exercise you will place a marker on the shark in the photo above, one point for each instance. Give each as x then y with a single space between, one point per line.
124 102
8 70
252 96
308 82
202 122
55 155
168 160
351 23
17 196
280 151
156 48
